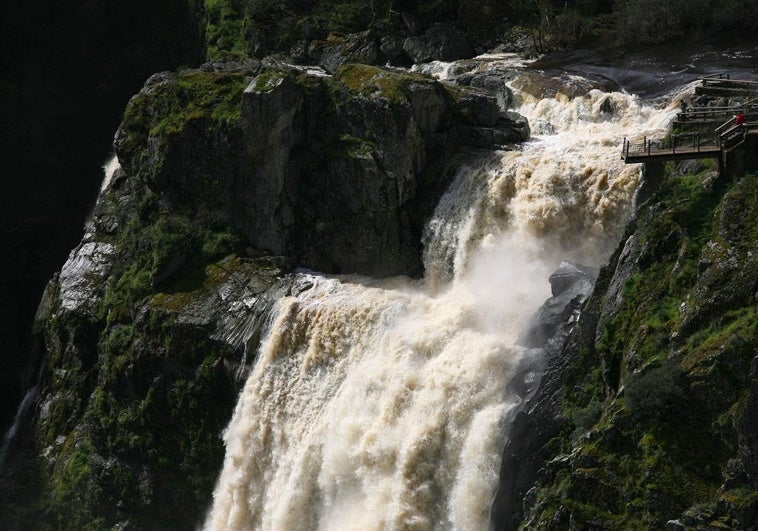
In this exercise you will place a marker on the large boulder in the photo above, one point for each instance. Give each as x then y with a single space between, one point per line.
441 42
339 49
324 169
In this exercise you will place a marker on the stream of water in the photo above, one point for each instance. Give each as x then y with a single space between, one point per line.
380 404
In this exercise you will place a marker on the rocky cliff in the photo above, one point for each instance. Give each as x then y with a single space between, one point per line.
647 418
66 73
231 175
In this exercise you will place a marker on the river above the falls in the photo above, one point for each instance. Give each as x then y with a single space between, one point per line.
654 71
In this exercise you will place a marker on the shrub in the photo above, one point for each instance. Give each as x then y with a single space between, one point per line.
657 393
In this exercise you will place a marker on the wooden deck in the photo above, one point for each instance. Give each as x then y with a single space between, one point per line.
681 154
676 147
683 147
725 137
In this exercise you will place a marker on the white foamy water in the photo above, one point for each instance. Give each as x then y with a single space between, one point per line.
381 404
109 169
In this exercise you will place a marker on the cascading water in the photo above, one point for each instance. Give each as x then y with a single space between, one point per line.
381 404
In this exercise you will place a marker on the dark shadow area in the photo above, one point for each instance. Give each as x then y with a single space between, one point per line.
67 70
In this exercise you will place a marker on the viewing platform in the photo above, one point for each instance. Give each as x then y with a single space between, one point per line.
688 146
677 147
703 143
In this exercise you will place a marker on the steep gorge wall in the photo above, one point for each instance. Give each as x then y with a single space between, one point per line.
648 415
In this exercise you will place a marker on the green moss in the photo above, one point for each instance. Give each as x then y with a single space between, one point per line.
211 98
226 25
735 331
156 252
375 82
194 286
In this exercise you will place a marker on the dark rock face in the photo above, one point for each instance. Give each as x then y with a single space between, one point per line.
570 284
536 420
360 48
299 168
656 381
441 42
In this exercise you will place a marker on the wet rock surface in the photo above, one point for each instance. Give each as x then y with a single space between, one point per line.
536 419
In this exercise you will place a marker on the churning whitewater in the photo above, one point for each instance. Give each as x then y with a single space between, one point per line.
382 404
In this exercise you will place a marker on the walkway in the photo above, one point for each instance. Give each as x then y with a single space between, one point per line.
725 137
688 146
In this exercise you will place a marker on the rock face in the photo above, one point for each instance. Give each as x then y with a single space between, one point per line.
535 421
231 176
362 48
646 417
311 155
441 42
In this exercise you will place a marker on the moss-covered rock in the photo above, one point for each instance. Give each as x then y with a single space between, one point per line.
652 387
289 157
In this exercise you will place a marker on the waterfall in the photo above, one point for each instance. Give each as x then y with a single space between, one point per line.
381 404
21 413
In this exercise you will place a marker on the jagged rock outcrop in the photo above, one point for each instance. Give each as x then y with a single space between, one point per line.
536 419
603 442
441 42
231 176
311 155
337 50
401 46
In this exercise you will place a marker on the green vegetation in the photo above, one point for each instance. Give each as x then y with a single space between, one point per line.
211 98
260 27
375 82
652 405
156 252
656 394
225 29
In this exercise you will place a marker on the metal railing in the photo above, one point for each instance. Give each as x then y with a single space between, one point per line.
726 137
684 143
711 113
714 77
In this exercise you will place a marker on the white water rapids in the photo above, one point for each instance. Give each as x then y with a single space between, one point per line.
381 404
